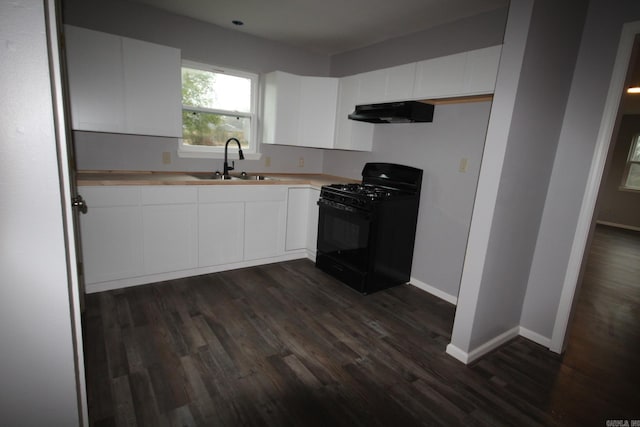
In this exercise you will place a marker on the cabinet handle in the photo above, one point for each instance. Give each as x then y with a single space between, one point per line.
78 202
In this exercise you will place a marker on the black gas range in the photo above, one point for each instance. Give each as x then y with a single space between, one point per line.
366 231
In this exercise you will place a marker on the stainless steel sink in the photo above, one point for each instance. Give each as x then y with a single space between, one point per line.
207 176
241 177
254 177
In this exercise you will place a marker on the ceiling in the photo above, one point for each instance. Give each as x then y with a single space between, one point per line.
328 26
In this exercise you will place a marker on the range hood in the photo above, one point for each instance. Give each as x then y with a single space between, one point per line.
394 112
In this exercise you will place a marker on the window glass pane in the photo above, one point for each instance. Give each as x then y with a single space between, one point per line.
215 90
635 150
633 179
213 130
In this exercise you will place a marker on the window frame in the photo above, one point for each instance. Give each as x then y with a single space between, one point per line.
207 152
635 142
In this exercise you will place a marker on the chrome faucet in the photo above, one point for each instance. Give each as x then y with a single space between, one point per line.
227 168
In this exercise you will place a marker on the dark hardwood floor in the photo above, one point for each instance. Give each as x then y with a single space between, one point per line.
286 345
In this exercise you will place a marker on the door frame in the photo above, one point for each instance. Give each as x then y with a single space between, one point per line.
61 119
587 210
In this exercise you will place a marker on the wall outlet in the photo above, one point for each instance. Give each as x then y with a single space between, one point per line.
464 163
267 161
301 162
166 158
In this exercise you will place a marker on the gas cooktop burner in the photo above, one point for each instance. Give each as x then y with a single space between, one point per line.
364 190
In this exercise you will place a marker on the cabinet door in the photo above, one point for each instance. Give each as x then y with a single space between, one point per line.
169 237
440 77
281 108
387 84
312 220
317 119
297 218
399 82
121 85
152 85
372 87
264 229
96 89
220 233
349 134
111 233
299 110
481 70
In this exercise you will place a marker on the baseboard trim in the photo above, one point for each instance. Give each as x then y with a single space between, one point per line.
434 291
615 224
535 337
458 354
478 352
160 277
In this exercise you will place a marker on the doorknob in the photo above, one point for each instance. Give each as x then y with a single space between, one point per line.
78 202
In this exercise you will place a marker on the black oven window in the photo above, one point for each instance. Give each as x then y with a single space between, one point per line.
344 236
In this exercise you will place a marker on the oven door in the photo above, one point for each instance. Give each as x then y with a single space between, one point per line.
343 235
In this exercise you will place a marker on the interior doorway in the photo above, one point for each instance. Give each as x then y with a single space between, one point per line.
604 339
623 73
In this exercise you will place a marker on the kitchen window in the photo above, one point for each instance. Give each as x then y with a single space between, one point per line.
632 171
217 104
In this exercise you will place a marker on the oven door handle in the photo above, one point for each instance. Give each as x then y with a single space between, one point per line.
330 204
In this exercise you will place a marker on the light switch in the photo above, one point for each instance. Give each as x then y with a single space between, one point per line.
463 165
301 162
166 158
267 161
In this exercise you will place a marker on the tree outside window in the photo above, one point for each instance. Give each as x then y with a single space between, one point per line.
216 105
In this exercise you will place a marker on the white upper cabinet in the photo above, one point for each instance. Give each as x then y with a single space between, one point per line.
281 108
299 110
121 85
439 77
351 135
152 88
463 74
318 100
387 85
313 111
481 70
94 62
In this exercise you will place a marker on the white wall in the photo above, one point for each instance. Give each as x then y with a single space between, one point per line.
457 132
104 151
516 170
475 32
36 350
573 160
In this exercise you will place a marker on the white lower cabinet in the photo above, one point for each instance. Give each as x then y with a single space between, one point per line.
297 213
312 221
140 234
111 233
265 222
240 223
302 220
169 228
220 233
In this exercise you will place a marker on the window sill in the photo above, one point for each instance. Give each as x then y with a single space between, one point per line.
233 155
